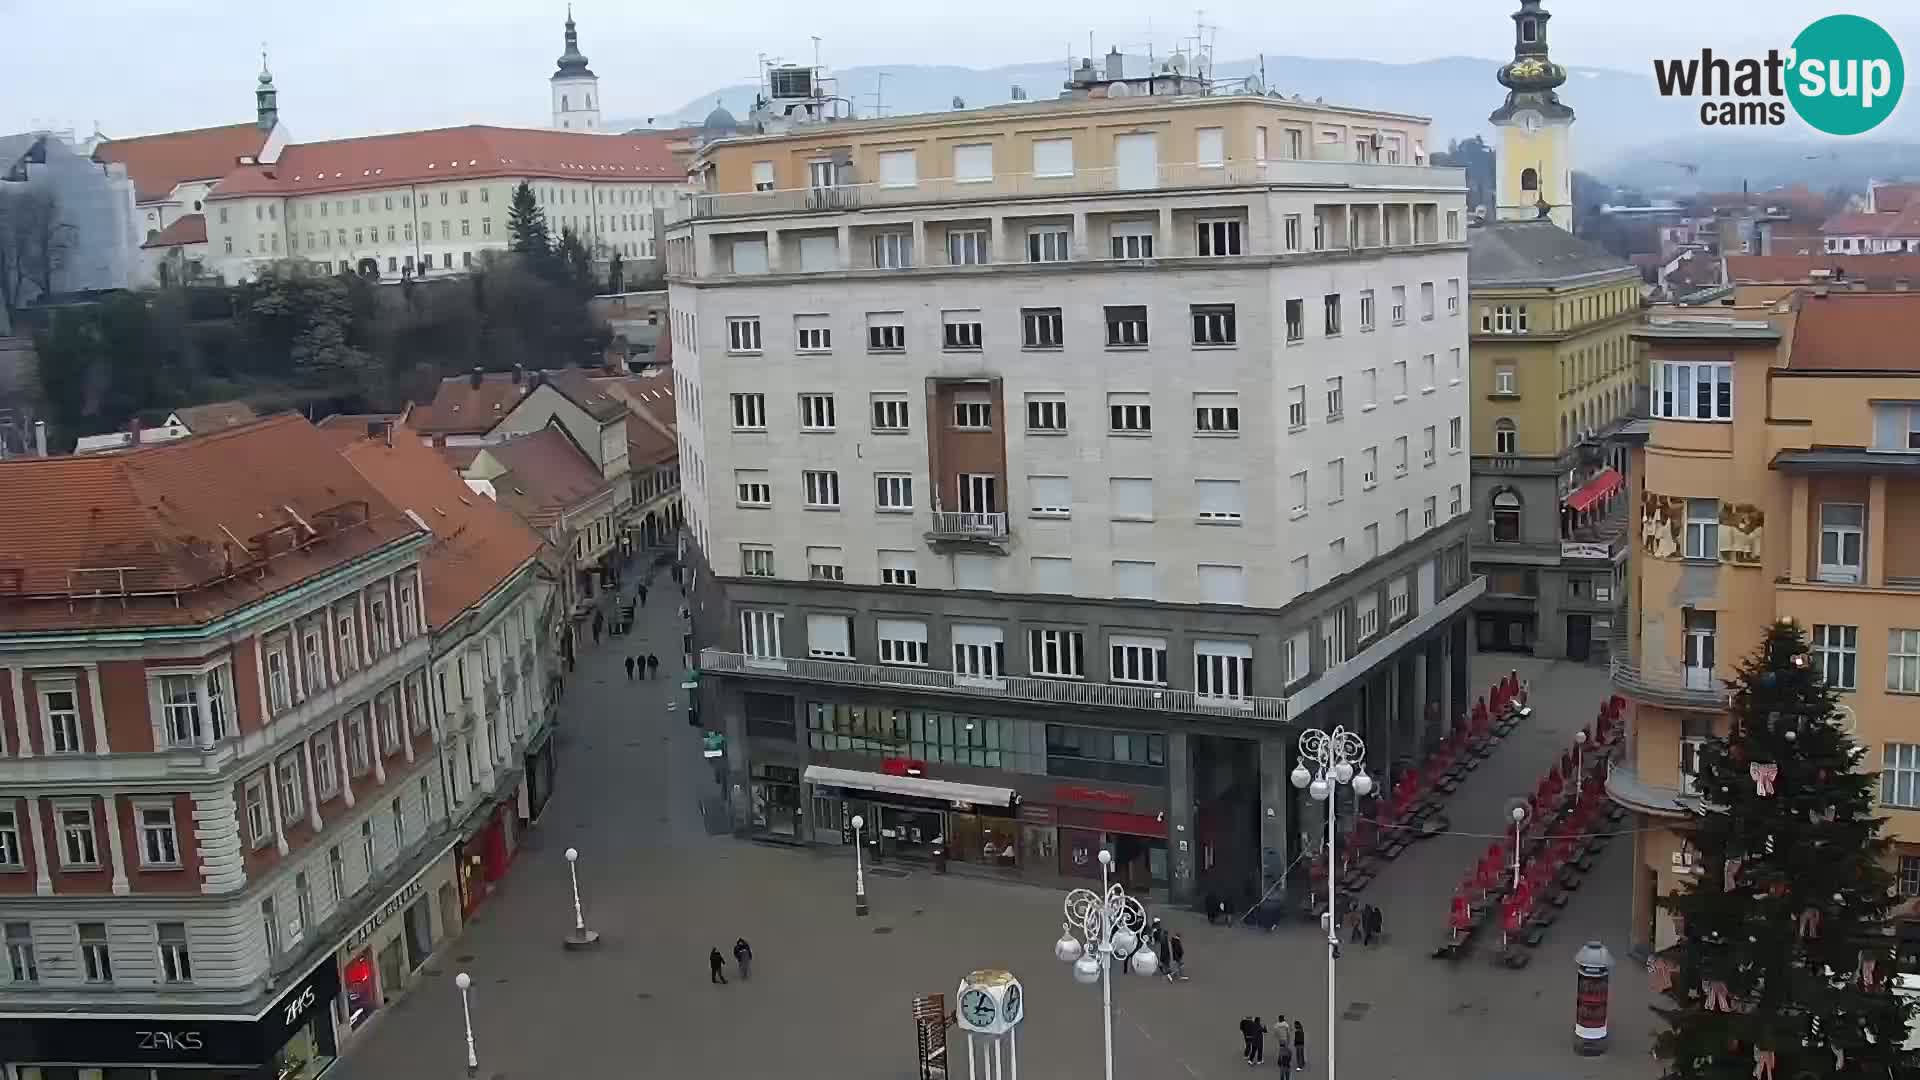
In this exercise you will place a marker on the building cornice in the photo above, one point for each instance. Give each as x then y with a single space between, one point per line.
481 614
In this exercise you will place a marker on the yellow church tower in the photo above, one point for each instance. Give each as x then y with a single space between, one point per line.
1535 166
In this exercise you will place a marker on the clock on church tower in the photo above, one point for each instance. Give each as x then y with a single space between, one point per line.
1535 167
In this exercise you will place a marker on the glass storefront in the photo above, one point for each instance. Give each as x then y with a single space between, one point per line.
908 833
362 992
984 840
306 1055
776 800
1139 862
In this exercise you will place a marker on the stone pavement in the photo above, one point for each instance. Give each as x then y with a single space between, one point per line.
831 992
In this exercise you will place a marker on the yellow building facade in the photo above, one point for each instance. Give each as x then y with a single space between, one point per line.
1535 164
1779 474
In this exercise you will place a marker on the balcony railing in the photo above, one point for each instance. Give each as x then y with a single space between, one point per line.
967 525
1662 682
1625 786
1094 695
1170 176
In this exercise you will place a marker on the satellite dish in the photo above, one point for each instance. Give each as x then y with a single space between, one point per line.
1254 86
1118 89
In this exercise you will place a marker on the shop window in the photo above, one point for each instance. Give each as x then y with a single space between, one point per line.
770 716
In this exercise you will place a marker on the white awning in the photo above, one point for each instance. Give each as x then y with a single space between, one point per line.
917 786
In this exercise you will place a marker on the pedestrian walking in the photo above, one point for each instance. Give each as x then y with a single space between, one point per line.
1259 1042
1299 1045
653 665
643 596
1372 917
1176 959
1283 1057
630 661
717 966
1353 925
743 956
1246 1039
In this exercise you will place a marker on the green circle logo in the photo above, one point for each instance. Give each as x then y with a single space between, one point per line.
1846 75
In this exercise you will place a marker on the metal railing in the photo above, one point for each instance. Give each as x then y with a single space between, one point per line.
1095 695
1170 176
1664 682
968 525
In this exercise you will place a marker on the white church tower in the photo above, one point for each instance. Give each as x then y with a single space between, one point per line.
576 89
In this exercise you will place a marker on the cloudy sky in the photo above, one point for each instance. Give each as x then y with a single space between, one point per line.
354 66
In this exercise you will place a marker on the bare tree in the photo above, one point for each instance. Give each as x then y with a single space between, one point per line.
33 243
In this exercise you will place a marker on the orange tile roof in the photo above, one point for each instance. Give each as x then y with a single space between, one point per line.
1894 197
159 163
546 475
461 408
580 387
473 152
477 545
1849 331
213 416
180 533
648 445
185 229
1903 223
1756 269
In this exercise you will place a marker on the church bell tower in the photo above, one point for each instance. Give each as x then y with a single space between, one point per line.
575 88
1535 167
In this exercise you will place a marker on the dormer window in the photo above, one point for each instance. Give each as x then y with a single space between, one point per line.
1529 31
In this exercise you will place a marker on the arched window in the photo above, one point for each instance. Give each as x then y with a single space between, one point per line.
1529 180
1506 437
563 108
1529 30
1506 517
589 101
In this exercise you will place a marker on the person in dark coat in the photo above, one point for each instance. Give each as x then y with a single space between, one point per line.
1259 1042
1283 1057
643 596
717 967
1176 958
743 956
1374 922
1246 1039
653 665
1299 1045
630 669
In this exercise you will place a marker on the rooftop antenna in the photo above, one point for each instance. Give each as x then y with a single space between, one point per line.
816 54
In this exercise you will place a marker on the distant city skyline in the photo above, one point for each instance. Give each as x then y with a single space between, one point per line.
141 66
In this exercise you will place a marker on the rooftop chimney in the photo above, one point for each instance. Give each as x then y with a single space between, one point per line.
479 375
519 374
1116 64
133 429
40 437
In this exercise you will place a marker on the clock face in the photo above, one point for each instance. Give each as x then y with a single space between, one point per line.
977 1008
1013 1003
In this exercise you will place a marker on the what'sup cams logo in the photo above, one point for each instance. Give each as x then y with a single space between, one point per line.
1842 75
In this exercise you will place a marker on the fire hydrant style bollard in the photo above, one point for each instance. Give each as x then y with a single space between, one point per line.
1593 966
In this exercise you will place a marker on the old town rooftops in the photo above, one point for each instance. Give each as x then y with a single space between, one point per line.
159 163
1849 331
474 152
181 533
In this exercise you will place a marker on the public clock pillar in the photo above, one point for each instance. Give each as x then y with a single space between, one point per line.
991 1005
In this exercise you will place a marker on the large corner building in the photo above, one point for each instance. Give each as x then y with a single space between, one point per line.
1050 466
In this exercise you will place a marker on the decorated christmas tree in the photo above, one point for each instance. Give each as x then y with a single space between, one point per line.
1784 967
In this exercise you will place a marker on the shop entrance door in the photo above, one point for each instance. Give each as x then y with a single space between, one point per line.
913 832
1579 637
393 969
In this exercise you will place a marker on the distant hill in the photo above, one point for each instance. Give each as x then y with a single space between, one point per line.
1618 111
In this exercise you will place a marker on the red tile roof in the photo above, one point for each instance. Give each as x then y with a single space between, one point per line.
473 152
580 387
648 445
1903 223
185 229
546 475
476 545
1792 269
159 163
180 533
1848 331
202 419
1894 197
461 408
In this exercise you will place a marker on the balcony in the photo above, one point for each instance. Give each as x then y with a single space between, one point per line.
964 527
1663 682
1014 186
1625 786
1093 695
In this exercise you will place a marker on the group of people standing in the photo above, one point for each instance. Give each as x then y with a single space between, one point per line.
648 665
1290 1048
742 957
1364 924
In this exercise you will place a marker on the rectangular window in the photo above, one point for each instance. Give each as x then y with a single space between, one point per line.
1336 480
1426 300
1052 157
1399 312
903 642
1430 512
1453 435
898 169
743 334
898 568
1219 500
1903 661
1216 414
1223 670
1836 650
1131 497
1692 391
326 770
1400 455
890 414
1059 654
960 331
1126 326
1138 660
1399 380
1397 599
893 492
1336 398
1331 304
973 415
96 959
967 247
1217 238
1296 320
1297 489
753 487
892 250
1131 239
822 487
1051 496
1290 232
1454 497
1222 584
756 561
61 708
979 652
816 412
1129 413
1427 373
180 700
159 842
973 163
1453 290
812 333
78 847
1453 224
1048 243
22 965
1040 328
748 256
1842 542
1900 774
749 412
1046 413
760 633
1366 310
1369 466
1428 438
1703 529
176 962
10 852
259 821
1214 324
1296 407
886 332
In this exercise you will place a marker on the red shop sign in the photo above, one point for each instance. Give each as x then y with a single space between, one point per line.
1108 821
1072 793
900 766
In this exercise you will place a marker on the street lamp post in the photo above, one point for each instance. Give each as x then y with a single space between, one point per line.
859 870
1579 755
1519 815
1336 757
463 981
1100 927
580 937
